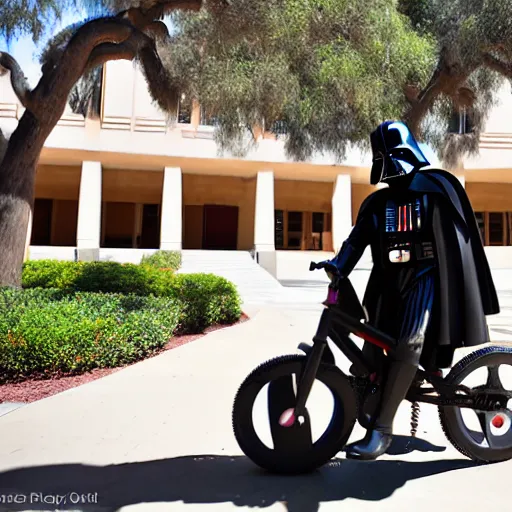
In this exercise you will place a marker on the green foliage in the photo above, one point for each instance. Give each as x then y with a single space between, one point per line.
163 260
98 276
466 31
206 300
51 332
35 17
330 69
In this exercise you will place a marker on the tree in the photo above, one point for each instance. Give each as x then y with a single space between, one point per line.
329 70
133 33
333 69
474 57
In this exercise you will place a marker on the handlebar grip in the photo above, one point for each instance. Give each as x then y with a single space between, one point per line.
313 266
323 265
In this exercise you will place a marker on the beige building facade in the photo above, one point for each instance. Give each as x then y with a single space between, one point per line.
127 180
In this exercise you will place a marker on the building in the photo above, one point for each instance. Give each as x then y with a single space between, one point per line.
127 181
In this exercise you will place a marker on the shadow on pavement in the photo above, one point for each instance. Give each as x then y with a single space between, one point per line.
402 445
204 479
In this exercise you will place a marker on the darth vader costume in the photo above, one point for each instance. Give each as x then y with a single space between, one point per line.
431 286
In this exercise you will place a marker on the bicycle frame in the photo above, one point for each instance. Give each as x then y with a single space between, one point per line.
338 325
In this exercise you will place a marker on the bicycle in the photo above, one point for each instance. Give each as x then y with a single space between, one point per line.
357 398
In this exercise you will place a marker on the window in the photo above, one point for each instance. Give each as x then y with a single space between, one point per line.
279 128
294 230
461 122
279 228
309 231
184 110
495 227
207 119
318 222
480 219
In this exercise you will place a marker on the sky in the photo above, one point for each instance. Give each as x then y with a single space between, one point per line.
27 53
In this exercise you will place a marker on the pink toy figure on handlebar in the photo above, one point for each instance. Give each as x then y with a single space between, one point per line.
332 297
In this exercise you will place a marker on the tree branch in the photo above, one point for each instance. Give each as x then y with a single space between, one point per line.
503 68
18 80
424 101
104 39
142 47
57 82
111 51
142 16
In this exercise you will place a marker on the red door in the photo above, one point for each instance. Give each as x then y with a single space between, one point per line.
220 227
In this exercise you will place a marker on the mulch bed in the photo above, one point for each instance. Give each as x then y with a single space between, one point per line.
36 389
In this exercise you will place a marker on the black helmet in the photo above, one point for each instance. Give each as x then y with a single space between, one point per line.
395 152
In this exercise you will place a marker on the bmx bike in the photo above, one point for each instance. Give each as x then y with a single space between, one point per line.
290 379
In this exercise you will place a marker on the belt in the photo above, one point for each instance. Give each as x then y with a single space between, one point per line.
406 252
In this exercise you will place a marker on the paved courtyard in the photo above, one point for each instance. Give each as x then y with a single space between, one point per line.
158 435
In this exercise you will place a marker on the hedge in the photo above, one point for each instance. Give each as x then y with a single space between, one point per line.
45 332
96 276
205 299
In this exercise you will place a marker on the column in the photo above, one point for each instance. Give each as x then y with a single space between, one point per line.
341 210
462 179
29 236
264 227
89 212
171 213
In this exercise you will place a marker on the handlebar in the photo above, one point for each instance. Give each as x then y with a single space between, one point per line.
328 267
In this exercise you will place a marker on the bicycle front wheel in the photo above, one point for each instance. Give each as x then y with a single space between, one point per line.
293 449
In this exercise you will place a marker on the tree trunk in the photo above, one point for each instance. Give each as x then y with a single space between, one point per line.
17 180
93 44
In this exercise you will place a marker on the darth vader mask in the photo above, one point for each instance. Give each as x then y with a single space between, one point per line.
395 152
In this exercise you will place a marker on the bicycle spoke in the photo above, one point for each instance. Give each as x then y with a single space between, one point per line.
493 379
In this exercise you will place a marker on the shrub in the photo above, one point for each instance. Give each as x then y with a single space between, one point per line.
206 299
48 332
163 259
96 276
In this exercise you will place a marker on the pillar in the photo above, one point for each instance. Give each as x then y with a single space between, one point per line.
341 210
89 212
462 179
29 236
264 224
171 216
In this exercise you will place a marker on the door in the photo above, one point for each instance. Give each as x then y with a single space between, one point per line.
150 232
42 222
220 227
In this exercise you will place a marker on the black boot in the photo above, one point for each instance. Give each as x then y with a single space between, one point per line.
378 440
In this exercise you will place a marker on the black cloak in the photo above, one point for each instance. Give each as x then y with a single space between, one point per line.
465 291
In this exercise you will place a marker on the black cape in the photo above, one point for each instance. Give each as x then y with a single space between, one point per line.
465 290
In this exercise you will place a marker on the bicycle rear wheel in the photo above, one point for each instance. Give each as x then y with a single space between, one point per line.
488 438
294 449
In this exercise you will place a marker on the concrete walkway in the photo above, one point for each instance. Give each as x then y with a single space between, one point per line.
158 436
